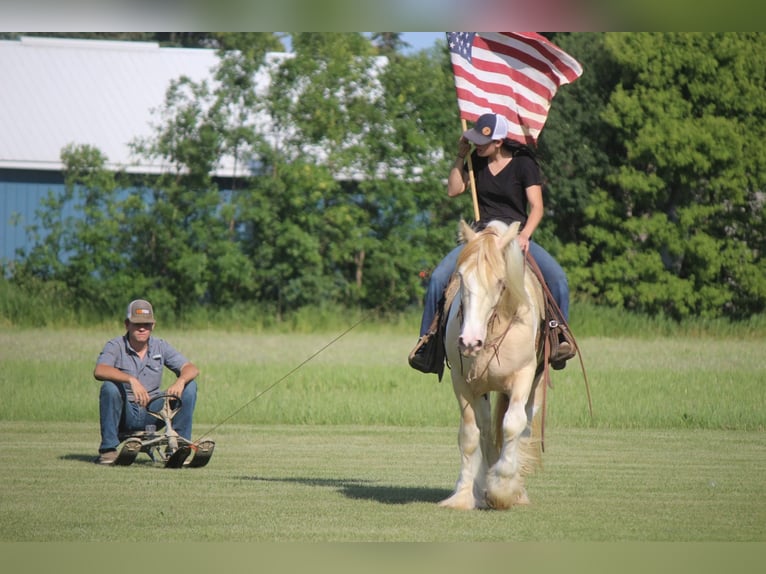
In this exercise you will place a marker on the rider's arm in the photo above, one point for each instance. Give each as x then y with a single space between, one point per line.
535 211
535 215
458 177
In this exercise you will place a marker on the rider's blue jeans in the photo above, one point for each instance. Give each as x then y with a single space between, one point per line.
121 415
554 276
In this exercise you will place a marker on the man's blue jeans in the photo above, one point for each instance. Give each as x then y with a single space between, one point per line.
554 276
118 414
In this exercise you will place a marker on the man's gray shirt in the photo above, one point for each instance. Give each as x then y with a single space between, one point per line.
119 354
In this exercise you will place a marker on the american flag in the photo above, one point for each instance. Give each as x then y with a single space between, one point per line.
515 74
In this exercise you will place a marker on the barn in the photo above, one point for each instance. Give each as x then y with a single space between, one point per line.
68 91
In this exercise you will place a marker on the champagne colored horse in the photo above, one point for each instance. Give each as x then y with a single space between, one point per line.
492 342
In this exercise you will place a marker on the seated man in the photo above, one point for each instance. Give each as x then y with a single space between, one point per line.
131 368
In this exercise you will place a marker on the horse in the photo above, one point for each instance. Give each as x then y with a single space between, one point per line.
492 343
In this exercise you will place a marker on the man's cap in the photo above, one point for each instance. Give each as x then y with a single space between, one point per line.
487 128
140 311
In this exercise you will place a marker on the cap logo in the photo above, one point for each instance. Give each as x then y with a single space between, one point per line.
486 130
141 311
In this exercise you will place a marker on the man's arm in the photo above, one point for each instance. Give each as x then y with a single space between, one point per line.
104 372
189 372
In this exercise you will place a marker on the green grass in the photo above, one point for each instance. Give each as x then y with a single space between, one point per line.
355 446
368 483
363 378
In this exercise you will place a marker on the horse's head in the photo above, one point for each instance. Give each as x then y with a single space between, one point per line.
482 271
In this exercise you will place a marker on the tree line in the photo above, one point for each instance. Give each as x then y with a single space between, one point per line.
653 163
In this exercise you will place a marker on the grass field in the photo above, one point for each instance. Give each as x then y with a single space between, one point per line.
354 446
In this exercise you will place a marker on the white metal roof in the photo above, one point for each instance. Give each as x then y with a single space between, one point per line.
101 93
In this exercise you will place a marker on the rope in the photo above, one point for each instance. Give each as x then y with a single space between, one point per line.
286 375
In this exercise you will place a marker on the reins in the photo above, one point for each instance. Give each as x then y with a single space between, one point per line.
552 324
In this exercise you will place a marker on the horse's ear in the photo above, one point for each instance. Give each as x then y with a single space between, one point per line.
465 231
509 235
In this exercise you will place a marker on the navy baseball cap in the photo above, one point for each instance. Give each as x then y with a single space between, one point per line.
488 127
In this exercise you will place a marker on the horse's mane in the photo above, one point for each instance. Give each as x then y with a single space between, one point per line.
483 254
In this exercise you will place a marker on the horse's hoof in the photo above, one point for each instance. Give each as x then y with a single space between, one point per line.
458 502
508 502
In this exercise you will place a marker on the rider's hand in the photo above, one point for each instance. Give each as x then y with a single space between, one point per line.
523 242
463 147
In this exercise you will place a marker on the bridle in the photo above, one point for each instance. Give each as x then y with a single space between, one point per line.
494 344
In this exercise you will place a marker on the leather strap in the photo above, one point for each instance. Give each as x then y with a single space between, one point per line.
551 304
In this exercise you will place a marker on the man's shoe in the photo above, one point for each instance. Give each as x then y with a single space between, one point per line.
106 458
563 354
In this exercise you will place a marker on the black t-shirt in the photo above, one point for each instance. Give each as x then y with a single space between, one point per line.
504 196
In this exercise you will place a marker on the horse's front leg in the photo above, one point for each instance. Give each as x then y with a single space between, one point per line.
505 480
474 438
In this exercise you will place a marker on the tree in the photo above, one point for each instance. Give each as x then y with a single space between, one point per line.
576 150
388 43
654 166
680 230
378 126
81 237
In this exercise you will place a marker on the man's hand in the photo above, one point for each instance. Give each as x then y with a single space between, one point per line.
176 388
139 392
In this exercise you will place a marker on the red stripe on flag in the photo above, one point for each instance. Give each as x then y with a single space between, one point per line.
554 56
515 74
514 81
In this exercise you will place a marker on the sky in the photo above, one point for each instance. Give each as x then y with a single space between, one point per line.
416 40
421 40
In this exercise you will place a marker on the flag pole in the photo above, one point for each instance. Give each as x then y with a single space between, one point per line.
472 179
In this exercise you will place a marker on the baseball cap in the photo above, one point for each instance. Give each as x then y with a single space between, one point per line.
487 128
140 311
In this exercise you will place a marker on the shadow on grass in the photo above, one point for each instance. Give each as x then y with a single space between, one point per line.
367 490
91 459
79 457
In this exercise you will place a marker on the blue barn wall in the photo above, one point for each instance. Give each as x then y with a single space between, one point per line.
21 194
